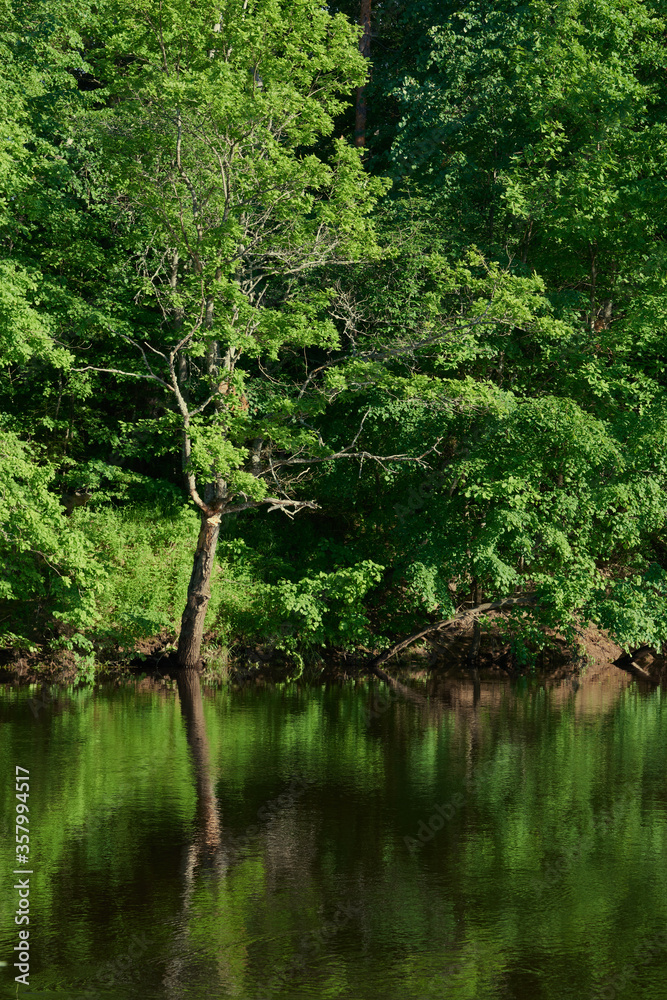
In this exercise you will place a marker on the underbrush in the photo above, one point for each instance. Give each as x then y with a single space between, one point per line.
136 564
120 587
137 568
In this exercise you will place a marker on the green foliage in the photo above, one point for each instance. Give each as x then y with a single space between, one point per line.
523 631
325 609
635 609
221 212
85 668
46 560
193 248
147 557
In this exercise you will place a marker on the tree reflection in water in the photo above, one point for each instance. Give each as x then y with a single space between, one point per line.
206 849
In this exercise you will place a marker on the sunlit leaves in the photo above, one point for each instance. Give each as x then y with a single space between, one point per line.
42 555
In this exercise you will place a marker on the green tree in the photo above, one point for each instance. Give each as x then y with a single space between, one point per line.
209 117
537 133
191 282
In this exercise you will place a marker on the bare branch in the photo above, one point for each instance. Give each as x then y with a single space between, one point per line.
401 351
117 371
143 353
188 337
276 504
345 453
202 407
184 176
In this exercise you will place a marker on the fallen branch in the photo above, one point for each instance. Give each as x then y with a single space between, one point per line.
627 662
636 671
524 600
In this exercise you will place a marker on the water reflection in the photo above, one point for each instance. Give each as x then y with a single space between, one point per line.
206 847
208 839
509 843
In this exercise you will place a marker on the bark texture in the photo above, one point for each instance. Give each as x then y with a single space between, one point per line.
199 593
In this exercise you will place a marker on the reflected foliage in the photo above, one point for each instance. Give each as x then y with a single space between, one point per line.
547 877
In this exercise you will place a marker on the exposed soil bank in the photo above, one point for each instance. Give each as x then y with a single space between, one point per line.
596 658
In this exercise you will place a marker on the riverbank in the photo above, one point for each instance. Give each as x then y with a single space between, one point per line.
595 656
475 834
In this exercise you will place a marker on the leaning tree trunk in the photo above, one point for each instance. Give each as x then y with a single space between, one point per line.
199 594
365 49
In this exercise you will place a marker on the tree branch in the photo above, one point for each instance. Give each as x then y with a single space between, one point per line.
277 504
295 460
523 600
117 371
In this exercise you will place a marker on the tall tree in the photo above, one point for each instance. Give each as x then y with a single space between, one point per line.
365 49
206 133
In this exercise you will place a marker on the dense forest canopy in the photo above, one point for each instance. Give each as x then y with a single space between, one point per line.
439 350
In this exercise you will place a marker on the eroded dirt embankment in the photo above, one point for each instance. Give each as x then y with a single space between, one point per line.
595 658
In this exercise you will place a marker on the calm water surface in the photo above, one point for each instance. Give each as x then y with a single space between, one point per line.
287 842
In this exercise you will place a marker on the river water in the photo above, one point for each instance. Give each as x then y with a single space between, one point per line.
495 842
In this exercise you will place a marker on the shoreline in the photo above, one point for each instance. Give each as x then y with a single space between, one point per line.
437 656
335 669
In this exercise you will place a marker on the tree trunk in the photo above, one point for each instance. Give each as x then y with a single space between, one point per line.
199 594
365 49
594 274
473 649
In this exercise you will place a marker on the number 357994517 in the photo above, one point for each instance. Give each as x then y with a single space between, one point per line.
22 821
